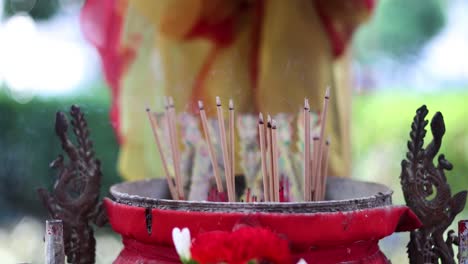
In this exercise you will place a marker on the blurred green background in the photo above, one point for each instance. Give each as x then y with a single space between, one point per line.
395 72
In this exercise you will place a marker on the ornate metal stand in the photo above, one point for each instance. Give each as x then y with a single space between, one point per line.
75 196
428 194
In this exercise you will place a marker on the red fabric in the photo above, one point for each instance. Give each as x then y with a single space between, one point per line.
222 35
339 33
102 23
199 82
320 237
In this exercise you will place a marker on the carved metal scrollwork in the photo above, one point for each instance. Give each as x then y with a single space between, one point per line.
75 195
428 194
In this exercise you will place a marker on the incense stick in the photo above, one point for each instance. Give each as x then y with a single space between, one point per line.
312 180
170 182
263 157
175 148
307 183
222 135
323 124
324 171
204 121
274 146
232 143
168 117
314 176
270 160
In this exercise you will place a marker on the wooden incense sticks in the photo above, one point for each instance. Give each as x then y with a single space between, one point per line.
232 144
315 154
270 160
204 121
263 157
170 182
324 172
323 124
175 147
225 152
274 156
314 177
307 178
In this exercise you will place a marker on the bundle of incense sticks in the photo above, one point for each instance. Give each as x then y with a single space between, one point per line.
315 164
315 154
176 185
318 162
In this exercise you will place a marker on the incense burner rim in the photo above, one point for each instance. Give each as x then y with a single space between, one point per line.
378 199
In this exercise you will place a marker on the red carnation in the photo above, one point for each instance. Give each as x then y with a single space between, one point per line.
211 247
240 246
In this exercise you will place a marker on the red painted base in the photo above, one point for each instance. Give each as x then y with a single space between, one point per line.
326 238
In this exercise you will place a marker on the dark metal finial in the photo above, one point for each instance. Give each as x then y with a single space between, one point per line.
75 196
428 194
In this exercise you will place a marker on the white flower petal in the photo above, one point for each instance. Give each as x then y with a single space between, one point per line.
182 242
186 243
302 261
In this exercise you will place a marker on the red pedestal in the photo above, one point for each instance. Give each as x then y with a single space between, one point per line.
334 237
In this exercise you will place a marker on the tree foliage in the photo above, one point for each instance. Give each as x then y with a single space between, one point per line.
399 29
37 9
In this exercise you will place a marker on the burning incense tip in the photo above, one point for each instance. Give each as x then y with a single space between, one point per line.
273 124
316 138
147 109
231 104
200 105
218 101
306 104
260 118
327 142
327 93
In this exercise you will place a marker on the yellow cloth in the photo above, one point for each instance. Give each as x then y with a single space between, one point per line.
295 62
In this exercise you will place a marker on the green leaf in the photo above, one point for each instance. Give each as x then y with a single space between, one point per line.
189 261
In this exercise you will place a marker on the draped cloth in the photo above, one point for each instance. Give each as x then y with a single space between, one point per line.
324 238
267 55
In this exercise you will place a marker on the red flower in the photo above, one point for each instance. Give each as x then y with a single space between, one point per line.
240 246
